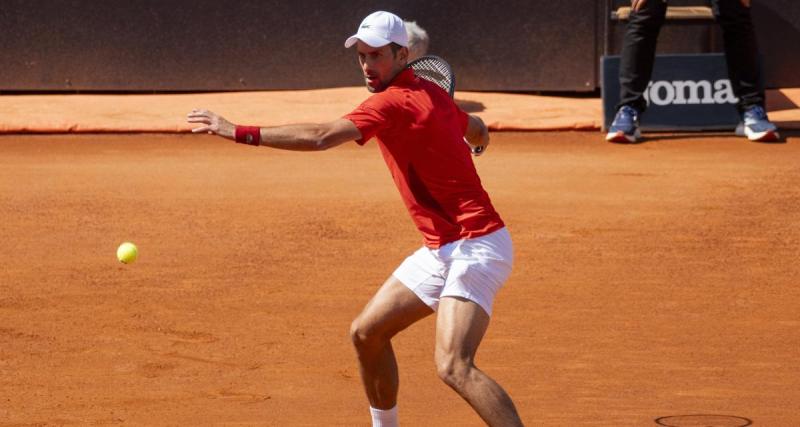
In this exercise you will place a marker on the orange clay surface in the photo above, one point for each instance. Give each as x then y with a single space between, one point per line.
652 280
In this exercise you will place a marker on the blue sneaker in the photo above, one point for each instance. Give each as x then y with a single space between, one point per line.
625 127
756 126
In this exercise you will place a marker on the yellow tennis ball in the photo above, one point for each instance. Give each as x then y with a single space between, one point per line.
127 253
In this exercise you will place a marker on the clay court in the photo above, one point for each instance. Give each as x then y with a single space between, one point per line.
651 281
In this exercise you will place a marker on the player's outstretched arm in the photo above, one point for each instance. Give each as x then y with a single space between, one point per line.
310 137
477 134
299 137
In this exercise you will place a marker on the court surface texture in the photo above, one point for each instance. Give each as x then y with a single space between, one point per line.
654 280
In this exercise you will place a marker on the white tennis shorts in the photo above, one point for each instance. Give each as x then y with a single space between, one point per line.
474 269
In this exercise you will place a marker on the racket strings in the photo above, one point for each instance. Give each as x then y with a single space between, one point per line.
435 70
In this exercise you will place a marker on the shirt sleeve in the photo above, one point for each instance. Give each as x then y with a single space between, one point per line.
369 119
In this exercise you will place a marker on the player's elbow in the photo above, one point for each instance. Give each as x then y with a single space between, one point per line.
318 139
324 142
330 137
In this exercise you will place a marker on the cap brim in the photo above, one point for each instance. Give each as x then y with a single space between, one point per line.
370 39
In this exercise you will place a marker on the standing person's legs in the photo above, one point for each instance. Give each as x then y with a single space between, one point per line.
635 69
744 70
460 326
393 308
741 52
638 53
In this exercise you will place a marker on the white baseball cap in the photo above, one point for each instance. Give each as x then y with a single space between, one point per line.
379 29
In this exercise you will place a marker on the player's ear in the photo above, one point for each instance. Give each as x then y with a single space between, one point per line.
403 53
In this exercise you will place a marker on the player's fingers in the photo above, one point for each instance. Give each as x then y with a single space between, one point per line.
197 114
199 120
202 129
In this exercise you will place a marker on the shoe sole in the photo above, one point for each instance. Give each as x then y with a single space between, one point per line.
620 137
767 136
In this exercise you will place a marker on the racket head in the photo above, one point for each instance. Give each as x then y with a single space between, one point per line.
436 70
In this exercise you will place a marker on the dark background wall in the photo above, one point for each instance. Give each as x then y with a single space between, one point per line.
181 45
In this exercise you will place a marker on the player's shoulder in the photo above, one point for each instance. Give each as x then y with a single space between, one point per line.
385 99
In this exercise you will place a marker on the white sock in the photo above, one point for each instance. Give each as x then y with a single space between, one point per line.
384 417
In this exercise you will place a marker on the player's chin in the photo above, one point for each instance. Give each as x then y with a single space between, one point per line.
375 86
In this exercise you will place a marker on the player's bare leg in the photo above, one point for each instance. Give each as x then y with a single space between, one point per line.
460 326
393 308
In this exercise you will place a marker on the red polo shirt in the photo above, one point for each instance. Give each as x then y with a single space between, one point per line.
420 132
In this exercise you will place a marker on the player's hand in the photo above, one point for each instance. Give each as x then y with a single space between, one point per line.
479 148
637 4
477 151
213 123
746 3
476 135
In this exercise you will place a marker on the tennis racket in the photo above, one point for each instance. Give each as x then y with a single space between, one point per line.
438 71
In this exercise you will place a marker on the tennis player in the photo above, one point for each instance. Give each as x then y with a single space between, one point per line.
467 253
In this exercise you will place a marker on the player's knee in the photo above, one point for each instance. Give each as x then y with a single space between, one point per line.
452 370
361 336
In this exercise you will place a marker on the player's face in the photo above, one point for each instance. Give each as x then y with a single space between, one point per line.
379 65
